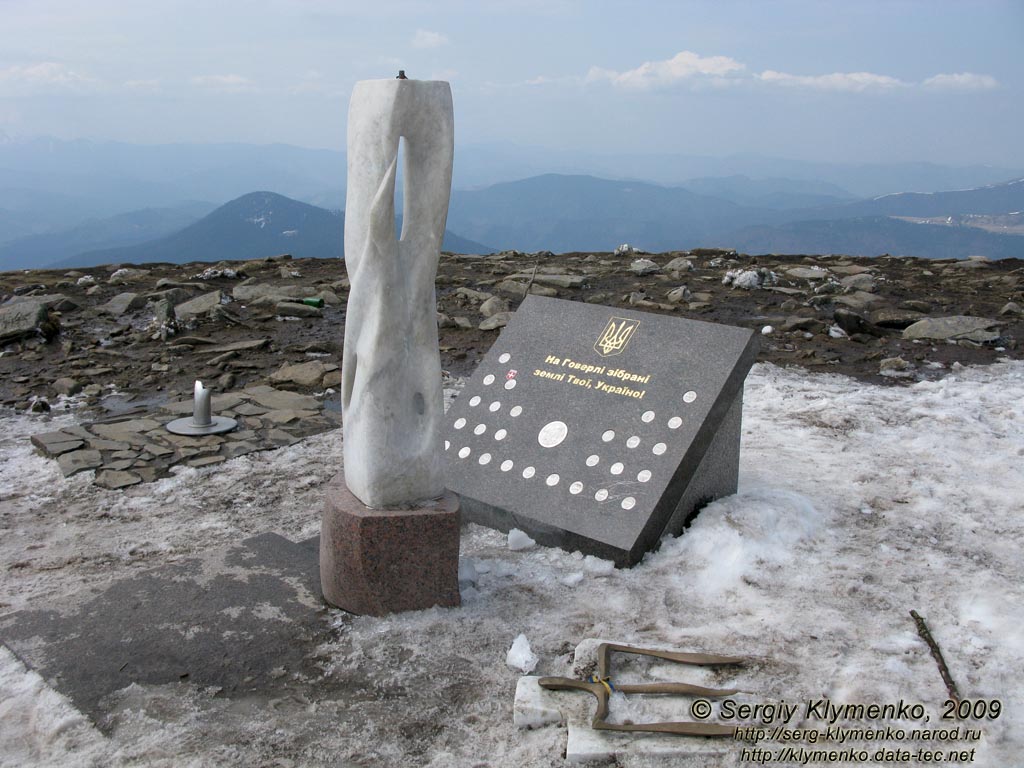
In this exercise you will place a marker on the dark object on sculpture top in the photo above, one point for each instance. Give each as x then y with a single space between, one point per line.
401 75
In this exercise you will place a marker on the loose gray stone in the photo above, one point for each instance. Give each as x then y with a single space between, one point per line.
796 323
473 295
132 425
163 313
128 275
852 323
558 281
1011 308
971 262
167 282
859 300
66 386
894 366
102 444
253 291
55 443
56 301
117 465
287 416
175 296
293 309
678 295
79 461
303 374
56 449
861 282
20 320
895 318
850 269
499 320
916 305
238 346
643 267
679 264
957 327
248 409
279 400
807 273
518 290
199 305
493 306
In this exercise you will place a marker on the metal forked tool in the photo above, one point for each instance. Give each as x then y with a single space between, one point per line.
600 685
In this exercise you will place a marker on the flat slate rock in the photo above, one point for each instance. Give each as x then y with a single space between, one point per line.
245 619
977 329
136 447
21 319
598 428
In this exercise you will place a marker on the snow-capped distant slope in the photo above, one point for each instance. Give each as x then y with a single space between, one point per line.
253 226
991 199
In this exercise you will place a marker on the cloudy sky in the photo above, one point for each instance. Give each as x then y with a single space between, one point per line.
853 81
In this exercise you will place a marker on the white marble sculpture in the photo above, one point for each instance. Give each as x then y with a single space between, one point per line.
392 402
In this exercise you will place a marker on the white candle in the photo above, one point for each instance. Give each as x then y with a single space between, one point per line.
201 407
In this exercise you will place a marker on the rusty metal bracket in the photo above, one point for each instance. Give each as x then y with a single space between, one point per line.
601 686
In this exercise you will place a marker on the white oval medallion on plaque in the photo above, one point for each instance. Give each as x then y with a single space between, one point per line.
552 433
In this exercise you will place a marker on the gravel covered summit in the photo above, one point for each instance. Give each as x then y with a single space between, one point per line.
120 336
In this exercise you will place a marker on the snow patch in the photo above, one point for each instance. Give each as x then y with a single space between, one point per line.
520 656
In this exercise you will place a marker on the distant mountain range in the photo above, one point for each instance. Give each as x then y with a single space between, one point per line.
255 225
564 213
120 230
81 201
877 235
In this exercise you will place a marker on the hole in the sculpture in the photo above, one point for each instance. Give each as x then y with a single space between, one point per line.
419 403
347 382
400 189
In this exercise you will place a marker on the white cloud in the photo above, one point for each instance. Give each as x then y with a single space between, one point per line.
963 81
148 86
546 80
46 74
837 81
426 39
312 81
230 83
653 74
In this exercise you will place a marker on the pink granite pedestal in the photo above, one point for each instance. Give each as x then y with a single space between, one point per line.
379 561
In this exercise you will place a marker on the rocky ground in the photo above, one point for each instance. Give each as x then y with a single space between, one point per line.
119 338
859 499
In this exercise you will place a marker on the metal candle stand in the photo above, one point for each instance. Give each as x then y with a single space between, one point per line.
203 422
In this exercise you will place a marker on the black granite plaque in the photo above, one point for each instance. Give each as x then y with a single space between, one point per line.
597 428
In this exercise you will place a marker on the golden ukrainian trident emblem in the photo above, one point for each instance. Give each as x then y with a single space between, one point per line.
615 336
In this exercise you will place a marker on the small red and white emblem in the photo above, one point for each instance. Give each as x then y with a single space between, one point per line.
512 373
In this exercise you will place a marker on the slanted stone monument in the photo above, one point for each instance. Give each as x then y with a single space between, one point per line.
389 537
599 429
